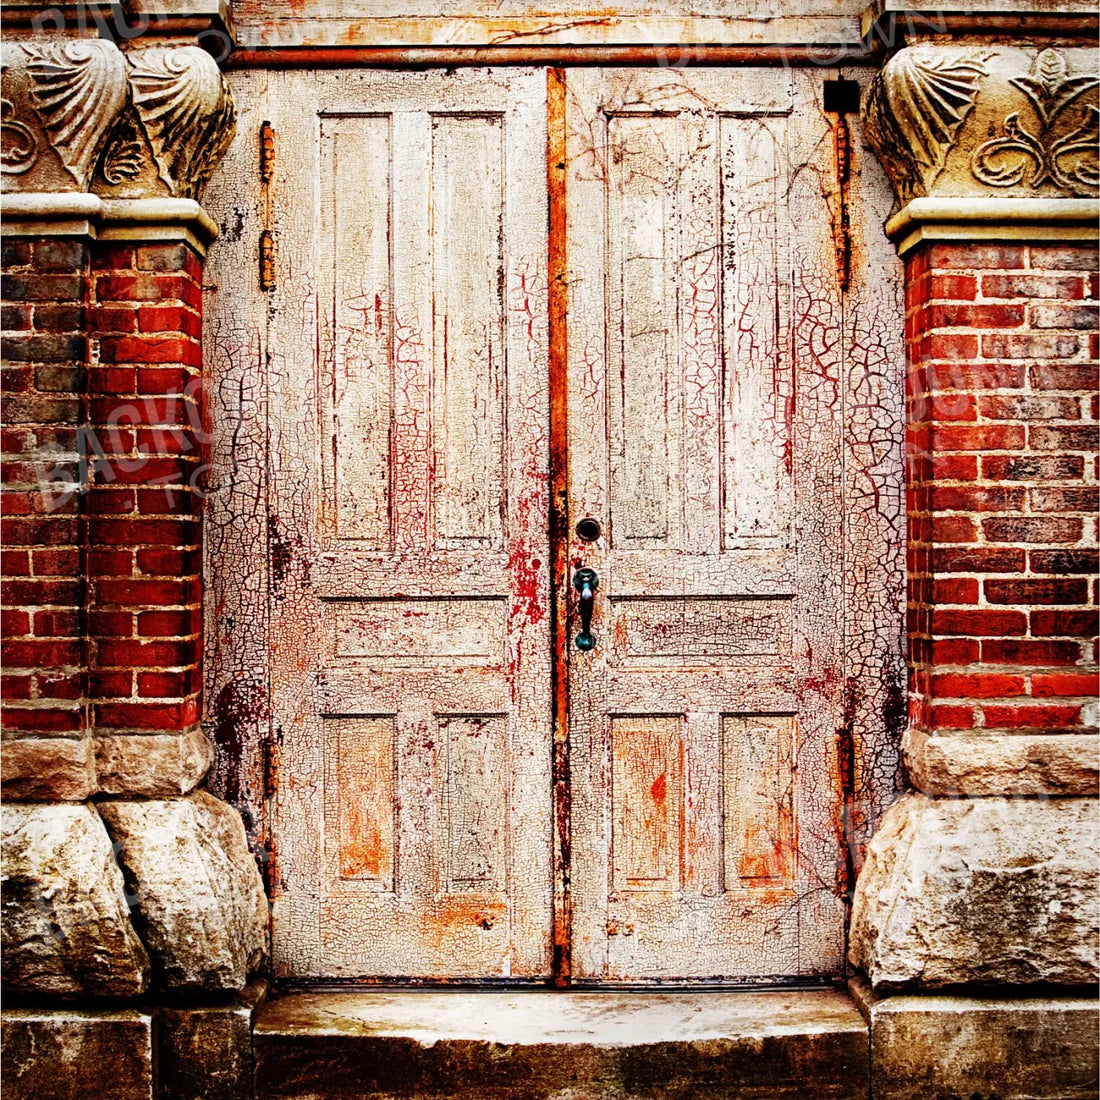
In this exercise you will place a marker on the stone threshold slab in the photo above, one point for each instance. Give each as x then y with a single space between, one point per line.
550 1045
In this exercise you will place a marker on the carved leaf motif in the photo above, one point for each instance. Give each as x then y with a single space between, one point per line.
1006 160
1050 87
122 161
932 98
916 106
79 90
1069 160
187 111
1074 159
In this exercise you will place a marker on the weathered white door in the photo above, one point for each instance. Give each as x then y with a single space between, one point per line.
704 421
697 423
411 659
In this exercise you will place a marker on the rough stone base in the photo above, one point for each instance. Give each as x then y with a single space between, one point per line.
66 918
198 892
979 891
71 1055
937 1047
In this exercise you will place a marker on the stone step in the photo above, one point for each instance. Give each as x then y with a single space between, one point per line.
556 1045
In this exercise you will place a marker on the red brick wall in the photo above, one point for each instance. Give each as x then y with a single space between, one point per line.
144 550
1002 410
44 351
102 460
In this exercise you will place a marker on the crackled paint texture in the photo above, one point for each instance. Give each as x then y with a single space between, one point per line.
379 632
547 22
711 366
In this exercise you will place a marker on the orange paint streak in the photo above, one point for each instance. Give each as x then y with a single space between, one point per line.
362 855
558 294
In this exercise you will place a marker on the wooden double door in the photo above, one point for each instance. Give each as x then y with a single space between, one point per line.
530 322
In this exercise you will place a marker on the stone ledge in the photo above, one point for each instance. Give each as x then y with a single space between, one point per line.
73 214
536 1044
1027 1048
885 24
1043 221
47 769
152 765
984 765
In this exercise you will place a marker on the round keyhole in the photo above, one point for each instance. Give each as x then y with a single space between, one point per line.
588 529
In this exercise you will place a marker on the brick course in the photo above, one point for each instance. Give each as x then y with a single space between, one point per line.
102 460
1002 487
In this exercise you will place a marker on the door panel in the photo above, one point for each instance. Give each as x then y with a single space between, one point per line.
704 426
410 608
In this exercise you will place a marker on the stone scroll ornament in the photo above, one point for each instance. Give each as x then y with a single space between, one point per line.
915 108
18 145
184 107
63 96
1063 151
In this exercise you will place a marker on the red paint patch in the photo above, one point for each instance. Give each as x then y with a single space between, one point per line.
659 789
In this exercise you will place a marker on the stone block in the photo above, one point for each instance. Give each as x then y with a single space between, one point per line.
204 1052
155 765
70 1055
937 1047
48 769
985 891
980 764
66 920
561 1045
198 892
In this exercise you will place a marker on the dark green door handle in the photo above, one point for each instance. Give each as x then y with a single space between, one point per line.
586 582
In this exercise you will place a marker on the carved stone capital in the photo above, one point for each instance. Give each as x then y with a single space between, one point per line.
60 98
81 115
968 121
176 130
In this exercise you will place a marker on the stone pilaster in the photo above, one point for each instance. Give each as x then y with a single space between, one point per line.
106 151
985 875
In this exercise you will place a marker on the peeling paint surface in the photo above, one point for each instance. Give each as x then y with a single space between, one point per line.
380 647
410 655
706 367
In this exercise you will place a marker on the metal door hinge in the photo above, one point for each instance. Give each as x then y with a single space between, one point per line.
267 152
842 232
267 239
841 97
271 760
267 260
